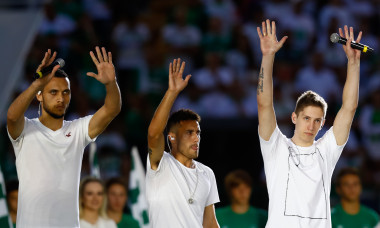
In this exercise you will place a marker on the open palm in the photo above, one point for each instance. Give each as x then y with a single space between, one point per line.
268 40
104 65
176 81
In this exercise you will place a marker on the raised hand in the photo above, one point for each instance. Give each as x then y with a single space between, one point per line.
46 61
104 65
268 40
352 54
176 82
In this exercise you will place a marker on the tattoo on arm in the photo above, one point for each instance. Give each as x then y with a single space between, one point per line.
150 151
260 85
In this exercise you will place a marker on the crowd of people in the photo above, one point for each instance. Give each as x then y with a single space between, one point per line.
218 40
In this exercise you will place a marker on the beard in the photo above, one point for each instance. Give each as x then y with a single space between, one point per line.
52 114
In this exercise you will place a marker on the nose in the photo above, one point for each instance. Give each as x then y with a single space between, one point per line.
60 98
310 126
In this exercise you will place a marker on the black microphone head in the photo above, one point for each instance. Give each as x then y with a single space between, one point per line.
334 37
60 62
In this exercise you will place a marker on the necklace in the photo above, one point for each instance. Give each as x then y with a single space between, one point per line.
298 156
191 199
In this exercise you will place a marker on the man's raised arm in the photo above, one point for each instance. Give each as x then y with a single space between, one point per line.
16 111
269 46
350 97
156 141
112 104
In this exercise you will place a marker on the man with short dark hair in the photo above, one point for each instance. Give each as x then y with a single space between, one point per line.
49 150
350 213
298 170
240 214
181 192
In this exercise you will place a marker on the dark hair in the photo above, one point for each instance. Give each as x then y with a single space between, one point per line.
181 115
113 181
344 172
11 186
235 178
310 98
61 74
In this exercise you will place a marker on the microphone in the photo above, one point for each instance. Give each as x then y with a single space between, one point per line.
335 38
49 69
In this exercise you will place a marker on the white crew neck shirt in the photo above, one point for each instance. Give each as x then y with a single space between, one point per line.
299 180
48 166
167 192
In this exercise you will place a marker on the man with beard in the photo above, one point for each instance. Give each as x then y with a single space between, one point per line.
181 192
49 149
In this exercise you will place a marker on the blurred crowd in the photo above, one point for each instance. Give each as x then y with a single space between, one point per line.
219 42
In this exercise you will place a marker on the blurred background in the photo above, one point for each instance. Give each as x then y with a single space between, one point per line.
219 42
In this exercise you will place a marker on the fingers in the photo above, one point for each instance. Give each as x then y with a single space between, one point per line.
263 27
352 33
341 32
182 68
178 64
268 27
52 58
55 69
171 68
100 57
273 27
94 58
346 32
91 74
259 33
282 41
187 78
359 37
110 57
105 56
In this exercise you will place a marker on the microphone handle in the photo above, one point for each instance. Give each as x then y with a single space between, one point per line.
357 46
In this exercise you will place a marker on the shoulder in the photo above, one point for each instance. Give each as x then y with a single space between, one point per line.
370 212
220 211
259 211
204 168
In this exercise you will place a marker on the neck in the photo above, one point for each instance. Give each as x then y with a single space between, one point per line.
115 215
188 162
350 207
240 208
300 142
90 216
50 122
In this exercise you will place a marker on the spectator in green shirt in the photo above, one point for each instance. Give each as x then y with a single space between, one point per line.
117 198
350 213
240 214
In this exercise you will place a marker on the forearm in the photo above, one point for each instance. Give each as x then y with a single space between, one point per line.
112 101
21 103
160 117
265 82
351 87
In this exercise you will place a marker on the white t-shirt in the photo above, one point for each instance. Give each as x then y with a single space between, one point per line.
101 223
299 180
48 166
167 193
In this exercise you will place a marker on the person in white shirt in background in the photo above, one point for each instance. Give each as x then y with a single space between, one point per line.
181 192
298 170
92 204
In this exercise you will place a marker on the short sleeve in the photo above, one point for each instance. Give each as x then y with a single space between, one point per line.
161 166
268 148
333 150
17 143
83 124
213 196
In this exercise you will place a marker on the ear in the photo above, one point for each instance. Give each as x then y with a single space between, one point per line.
294 117
39 96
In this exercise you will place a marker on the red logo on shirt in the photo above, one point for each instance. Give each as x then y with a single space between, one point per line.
69 134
